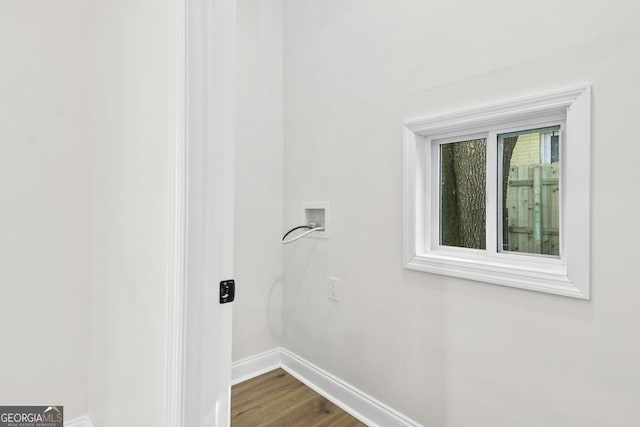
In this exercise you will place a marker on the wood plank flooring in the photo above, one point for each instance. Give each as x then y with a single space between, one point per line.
278 399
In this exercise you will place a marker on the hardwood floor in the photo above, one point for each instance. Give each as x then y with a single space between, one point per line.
278 399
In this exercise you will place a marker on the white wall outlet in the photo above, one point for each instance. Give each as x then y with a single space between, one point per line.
334 288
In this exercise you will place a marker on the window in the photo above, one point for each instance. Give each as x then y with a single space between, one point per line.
500 194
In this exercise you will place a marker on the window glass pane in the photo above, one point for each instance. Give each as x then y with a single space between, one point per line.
463 194
530 191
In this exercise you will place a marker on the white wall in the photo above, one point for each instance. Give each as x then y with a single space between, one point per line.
441 350
130 166
44 214
257 311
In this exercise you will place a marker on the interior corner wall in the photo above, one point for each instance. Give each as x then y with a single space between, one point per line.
44 192
446 351
257 309
130 162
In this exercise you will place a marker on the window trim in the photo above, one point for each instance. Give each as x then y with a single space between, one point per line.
567 275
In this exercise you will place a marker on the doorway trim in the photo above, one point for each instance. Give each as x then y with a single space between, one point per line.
176 256
200 218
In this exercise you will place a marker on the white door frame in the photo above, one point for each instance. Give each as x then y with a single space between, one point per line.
198 360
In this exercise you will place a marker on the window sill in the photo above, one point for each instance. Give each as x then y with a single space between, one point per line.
552 279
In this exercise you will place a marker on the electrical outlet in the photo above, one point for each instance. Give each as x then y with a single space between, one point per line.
334 288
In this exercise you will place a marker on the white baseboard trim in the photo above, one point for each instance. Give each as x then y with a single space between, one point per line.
359 404
253 366
83 421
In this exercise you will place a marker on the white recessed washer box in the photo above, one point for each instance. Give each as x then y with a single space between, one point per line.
317 213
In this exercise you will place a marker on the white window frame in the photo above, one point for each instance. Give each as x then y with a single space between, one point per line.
567 274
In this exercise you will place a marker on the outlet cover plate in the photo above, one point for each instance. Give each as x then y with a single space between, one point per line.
334 289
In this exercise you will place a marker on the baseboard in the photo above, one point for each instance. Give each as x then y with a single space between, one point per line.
359 404
84 421
253 366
